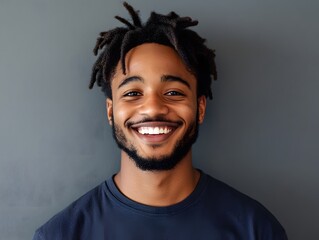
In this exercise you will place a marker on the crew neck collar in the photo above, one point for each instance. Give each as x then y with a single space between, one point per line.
119 198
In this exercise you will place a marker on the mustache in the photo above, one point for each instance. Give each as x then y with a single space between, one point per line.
149 119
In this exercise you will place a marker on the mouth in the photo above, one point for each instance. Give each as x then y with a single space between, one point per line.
155 132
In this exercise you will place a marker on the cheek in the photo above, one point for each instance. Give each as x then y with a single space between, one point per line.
122 113
187 112
193 111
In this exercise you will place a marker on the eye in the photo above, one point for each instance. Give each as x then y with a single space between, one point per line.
132 94
174 93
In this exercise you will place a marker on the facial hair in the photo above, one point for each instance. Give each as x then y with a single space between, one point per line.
164 162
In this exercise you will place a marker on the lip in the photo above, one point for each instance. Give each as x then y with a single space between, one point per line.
154 138
156 124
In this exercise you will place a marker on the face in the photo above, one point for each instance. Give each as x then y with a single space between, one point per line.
155 110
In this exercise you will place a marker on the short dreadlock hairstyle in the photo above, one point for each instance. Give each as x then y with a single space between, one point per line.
170 30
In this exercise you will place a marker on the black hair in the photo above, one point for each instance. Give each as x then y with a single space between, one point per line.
170 30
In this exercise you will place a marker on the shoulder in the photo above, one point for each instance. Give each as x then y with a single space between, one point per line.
250 215
74 217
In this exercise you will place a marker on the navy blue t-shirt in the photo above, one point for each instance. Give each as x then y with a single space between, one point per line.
212 211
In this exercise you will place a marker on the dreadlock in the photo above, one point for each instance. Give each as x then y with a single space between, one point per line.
170 30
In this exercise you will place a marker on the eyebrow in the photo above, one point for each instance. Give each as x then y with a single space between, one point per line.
164 78
171 78
130 79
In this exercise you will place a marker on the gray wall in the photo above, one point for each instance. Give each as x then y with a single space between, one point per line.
261 132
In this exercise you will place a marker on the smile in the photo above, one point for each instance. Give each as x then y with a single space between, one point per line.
154 130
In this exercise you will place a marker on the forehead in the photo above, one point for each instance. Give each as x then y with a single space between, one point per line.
153 58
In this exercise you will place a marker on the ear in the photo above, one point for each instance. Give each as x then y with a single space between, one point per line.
109 110
201 102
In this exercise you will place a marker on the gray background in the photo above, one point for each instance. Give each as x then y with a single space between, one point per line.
261 132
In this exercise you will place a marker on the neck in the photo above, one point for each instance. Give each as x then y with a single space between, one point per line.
157 188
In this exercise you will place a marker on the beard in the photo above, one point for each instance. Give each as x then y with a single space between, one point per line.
163 162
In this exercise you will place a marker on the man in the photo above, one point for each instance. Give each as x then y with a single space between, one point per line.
156 78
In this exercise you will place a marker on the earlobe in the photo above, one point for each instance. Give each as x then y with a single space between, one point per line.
109 110
201 108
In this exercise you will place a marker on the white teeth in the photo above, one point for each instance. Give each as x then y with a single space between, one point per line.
154 130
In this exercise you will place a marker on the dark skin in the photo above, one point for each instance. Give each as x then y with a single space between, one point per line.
156 84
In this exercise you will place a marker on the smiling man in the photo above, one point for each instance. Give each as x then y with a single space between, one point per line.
156 78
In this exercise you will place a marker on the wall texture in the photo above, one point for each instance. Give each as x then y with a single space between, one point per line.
261 133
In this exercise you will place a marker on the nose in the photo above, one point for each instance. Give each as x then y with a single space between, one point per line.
154 105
